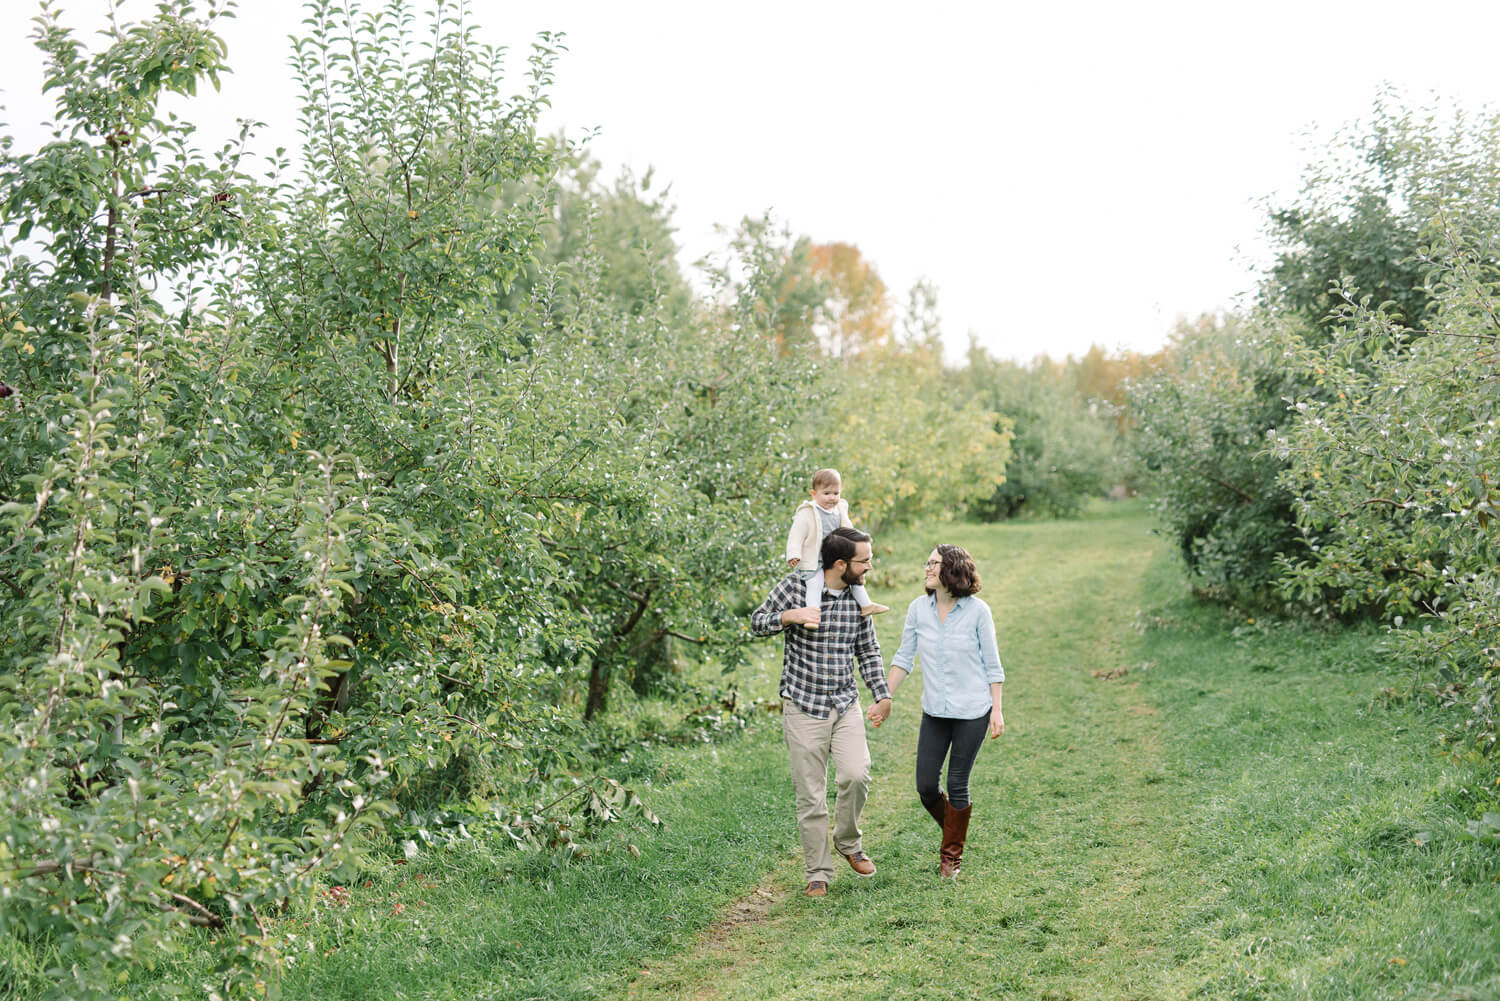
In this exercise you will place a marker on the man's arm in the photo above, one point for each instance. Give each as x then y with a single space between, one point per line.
768 619
867 655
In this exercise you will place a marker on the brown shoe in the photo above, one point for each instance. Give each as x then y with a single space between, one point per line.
873 609
861 864
817 888
955 833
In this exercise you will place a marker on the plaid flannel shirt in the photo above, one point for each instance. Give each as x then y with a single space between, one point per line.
817 668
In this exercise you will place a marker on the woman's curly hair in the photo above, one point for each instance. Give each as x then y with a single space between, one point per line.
958 573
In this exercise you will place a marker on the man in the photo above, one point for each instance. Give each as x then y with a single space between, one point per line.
820 714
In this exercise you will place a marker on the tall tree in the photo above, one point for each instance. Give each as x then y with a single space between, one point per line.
369 516
1358 222
1063 446
856 315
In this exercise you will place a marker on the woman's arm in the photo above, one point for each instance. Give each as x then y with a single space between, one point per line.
893 679
989 650
997 717
880 710
902 663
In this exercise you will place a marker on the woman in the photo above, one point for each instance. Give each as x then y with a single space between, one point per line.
953 634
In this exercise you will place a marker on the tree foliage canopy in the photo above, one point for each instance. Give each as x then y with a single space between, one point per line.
1336 449
335 492
1064 436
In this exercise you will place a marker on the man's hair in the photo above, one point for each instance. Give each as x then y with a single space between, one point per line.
839 545
826 477
958 573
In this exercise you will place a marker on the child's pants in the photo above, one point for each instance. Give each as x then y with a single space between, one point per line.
814 598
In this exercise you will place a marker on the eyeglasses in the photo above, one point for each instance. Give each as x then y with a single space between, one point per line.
932 563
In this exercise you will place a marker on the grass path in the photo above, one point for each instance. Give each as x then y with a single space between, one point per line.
1186 804
1072 856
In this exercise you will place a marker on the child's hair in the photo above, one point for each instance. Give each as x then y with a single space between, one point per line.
825 477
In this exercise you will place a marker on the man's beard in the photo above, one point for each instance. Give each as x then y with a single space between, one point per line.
851 578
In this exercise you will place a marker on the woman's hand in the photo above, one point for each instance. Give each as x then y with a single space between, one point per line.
997 722
792 561
893 679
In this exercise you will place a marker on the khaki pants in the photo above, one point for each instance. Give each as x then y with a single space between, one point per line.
809 743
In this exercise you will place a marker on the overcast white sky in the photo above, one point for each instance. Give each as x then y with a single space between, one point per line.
1064 173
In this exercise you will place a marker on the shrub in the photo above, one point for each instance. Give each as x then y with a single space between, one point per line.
1199 438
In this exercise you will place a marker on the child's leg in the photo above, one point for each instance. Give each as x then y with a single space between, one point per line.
866 606
814 598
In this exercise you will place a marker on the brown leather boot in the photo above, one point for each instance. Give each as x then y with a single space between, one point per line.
937 807
955 832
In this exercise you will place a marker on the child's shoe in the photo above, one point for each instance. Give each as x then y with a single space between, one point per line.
873 609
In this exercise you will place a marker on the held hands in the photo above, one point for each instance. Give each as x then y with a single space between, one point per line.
881 710
997 723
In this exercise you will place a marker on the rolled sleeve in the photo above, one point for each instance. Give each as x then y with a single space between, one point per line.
766 620
989 649
906 653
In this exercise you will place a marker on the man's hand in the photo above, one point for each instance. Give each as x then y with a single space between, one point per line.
801 616
879 712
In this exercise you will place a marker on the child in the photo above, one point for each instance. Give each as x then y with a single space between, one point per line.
815 518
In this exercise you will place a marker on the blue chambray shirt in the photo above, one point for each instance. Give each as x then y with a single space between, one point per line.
959 657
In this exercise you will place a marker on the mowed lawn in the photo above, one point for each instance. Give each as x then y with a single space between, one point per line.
1070 874
1186 804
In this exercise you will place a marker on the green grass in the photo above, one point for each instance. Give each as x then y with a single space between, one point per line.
1239 815
1324 815
466 924
1065 877
1236 816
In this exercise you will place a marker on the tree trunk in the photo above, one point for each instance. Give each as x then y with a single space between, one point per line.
604 659
598 688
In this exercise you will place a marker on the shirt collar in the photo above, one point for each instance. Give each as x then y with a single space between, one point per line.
957 602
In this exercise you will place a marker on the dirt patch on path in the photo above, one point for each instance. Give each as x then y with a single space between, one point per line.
719 952
750 909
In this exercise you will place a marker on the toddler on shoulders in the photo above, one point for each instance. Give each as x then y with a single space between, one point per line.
824 511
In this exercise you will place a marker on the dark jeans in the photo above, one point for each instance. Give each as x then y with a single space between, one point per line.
936 737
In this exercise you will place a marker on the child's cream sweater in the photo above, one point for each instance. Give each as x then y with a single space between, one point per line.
806 537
